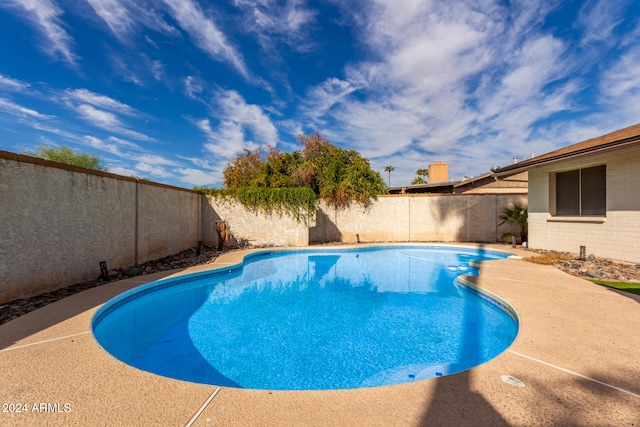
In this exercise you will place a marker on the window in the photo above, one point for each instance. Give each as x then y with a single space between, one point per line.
581 192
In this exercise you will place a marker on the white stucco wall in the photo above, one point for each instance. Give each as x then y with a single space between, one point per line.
618 237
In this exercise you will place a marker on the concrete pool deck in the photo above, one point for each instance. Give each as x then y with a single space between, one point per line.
577 354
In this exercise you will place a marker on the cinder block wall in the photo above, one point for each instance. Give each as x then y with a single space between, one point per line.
58 222
417 218
616 236
257 228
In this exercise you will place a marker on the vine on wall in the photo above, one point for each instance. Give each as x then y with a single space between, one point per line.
298 202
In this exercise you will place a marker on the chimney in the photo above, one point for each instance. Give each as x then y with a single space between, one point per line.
438 172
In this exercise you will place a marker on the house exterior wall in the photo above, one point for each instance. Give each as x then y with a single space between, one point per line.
618 236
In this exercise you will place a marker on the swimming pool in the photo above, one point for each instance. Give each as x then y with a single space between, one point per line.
312 320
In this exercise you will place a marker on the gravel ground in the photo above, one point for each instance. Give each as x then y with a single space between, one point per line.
591 268
595 268
16 308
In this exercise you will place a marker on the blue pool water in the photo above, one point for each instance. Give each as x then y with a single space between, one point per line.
311 320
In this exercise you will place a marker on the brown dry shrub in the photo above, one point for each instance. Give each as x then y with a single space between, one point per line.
549 258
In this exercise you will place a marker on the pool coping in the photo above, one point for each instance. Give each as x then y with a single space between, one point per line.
575 353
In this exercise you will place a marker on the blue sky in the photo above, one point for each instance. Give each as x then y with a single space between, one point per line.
170 90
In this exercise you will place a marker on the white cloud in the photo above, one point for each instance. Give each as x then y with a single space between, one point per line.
64 133
205 33
150 18
445 54
198 177
14 109
620 88
119 170
534 66
112 145
157 69
115 14
322 97
233 107
99 144
151 164
123 69
103 111
275 22
415 92
622 78
124 17
462 81
100 118
101 101
45 16
226 141
123 143
153 170
599 18
521 96
107 120
240 126
156 160
12 85
193 87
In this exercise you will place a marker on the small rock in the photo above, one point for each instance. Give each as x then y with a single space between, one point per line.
133 271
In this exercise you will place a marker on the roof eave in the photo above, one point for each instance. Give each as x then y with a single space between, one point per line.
535 163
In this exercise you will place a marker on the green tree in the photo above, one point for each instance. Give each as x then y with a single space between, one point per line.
243 171
67 155
421 178
336 175
516 213
389 169
262 167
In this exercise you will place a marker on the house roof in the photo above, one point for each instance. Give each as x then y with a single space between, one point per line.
467 181
618 139
452 187
436 187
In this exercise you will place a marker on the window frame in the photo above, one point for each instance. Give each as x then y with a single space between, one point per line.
582 202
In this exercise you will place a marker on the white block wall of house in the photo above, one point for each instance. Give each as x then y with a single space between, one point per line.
618 236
